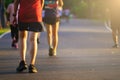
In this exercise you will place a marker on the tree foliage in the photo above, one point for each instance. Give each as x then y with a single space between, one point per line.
7 2
86 8
83 8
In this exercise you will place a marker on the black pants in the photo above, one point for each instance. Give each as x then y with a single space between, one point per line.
14 32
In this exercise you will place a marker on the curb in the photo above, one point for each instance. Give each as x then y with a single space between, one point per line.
107 25
4 34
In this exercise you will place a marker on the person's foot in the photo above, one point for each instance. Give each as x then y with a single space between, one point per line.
16 45
51 52
32 69
54 53
115 46
22 66
13 43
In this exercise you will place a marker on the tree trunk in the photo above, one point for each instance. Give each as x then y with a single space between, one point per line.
2 14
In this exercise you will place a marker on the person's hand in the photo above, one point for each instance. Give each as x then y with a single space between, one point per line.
8 23
14 21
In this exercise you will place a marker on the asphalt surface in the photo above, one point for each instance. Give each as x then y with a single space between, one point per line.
84 53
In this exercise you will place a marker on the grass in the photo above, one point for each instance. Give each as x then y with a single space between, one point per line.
4 30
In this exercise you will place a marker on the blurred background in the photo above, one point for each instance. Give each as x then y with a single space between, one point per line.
90 9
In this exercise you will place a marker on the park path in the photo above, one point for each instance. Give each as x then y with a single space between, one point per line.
84 53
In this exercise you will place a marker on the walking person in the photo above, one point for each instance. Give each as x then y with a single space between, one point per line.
29 19
114 10
67 14
115 26
52 20
13 27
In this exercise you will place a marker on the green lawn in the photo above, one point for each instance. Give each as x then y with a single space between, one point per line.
4 30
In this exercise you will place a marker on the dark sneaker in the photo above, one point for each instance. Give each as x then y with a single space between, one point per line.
51 52
22 66
32 69
13 43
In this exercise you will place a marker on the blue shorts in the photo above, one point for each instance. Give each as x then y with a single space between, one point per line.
31 26
51 16
51 20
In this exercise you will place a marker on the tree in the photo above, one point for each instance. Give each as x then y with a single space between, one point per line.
7 2
2 15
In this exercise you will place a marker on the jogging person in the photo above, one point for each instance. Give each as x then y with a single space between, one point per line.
114 10
29 19
52 20
13 27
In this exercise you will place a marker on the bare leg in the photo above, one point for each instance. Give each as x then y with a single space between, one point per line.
52 36
55 29
23 47
33 46
115 36
49 35
23 44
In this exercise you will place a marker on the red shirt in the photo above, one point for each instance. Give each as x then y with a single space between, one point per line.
30 11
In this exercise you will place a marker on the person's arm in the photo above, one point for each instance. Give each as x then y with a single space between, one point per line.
16 3
42 3
60 3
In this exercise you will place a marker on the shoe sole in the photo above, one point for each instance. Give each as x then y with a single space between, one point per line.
32 71
25 68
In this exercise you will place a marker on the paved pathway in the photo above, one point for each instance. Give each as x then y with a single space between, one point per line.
84 53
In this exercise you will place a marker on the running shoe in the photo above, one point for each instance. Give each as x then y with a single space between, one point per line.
13 43
22 66
32 69
51 52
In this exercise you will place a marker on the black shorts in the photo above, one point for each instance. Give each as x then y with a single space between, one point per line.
51 20
31 26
